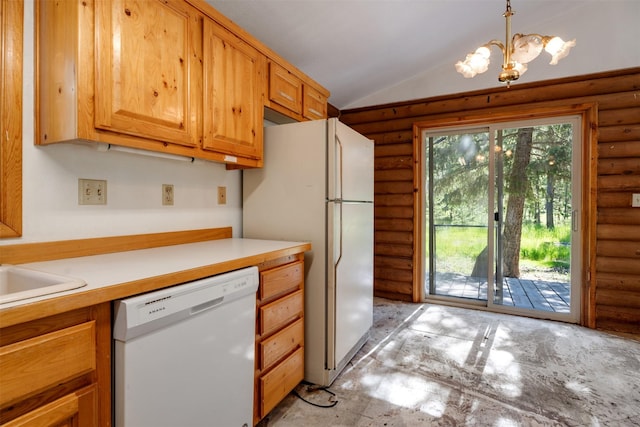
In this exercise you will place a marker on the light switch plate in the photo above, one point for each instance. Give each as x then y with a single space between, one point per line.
635 200
92 191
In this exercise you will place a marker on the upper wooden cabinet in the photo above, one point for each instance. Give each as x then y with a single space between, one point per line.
295 96
132 73
314 103
147 69
285 88
119 73
172 76
233 94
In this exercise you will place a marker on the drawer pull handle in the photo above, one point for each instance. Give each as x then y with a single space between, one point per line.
285 95
315 112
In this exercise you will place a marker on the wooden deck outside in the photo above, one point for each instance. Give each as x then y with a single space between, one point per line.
522 293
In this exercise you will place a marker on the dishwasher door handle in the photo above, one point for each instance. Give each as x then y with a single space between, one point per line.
206 305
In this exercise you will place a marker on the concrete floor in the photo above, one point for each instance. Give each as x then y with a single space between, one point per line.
431 365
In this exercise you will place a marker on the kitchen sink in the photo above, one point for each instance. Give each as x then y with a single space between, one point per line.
18 283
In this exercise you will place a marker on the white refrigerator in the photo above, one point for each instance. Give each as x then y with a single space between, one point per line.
317 186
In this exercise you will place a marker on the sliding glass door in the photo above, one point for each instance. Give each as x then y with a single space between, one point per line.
502 217
457 213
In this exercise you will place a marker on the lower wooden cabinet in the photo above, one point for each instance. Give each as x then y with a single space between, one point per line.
280 312
56 370
273 349
279 381
74 409
279 332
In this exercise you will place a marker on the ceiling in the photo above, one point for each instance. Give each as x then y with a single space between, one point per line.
368 52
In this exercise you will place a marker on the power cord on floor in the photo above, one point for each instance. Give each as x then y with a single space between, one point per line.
313 387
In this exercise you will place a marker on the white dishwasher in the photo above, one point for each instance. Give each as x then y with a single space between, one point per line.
184 356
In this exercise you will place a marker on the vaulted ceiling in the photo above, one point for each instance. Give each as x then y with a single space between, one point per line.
369 52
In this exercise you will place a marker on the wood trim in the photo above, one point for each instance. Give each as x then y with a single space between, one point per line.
102 314
418 291
11 118
47 251
507 114
590 217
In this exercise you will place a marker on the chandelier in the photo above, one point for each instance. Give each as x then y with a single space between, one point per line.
517 53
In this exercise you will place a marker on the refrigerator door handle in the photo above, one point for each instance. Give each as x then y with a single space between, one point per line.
339 168
335 218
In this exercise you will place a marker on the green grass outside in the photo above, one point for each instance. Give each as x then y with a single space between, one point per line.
547 248
541 248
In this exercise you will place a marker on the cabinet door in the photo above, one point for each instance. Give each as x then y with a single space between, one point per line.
233 77
285 88
146 60
11 35
314 104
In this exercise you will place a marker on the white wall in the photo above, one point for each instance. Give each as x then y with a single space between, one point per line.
134 184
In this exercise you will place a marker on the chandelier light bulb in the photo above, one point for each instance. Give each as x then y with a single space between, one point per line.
558 49
526 48
479 60
474 63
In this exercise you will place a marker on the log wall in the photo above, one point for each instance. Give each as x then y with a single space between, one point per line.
613 289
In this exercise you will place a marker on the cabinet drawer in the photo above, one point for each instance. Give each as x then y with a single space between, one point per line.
278 280
285 88
282 343
314 104
34 365
75 409
278 313
275 385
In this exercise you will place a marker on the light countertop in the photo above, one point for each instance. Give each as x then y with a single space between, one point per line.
118 275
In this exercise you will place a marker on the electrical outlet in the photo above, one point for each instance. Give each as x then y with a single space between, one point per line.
635 200
92 191
222 195
167 194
